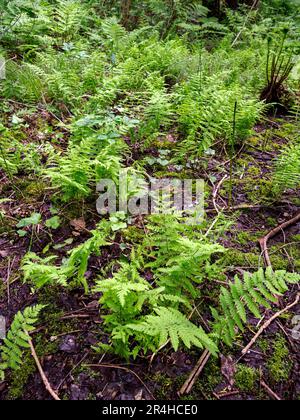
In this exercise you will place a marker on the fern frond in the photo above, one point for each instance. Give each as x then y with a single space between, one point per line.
287 169
168 323
42 271
256 290
17 338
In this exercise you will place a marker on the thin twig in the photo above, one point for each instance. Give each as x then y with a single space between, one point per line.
263 242
245 22
270 392
215 193
269 322
40 369
189 383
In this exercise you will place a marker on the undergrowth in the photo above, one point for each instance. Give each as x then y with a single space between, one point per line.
98 92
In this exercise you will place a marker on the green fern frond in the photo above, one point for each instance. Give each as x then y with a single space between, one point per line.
67 18
42 271
168 323
287 170
255 291
17 338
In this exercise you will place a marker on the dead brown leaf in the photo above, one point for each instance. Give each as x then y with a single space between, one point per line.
228 369
78 224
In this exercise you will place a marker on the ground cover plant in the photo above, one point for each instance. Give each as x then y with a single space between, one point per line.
136 91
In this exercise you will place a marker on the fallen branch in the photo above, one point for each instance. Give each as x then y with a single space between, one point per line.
269 322
40 369
189 383
263 242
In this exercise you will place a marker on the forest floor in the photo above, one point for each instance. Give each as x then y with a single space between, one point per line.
71 323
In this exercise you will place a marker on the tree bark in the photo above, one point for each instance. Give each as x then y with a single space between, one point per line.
125 12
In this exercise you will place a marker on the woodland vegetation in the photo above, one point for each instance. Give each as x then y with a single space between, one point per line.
114 307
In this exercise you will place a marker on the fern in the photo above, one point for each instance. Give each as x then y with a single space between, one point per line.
126 297
158 113
77 173
287 169
17 338
67 18
170 324
255 290
114 32
179 264
42 271
205 109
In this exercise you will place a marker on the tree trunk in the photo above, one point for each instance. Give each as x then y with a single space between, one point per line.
125 12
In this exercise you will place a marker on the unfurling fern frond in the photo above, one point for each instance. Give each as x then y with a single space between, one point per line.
17 338
255 290
168 323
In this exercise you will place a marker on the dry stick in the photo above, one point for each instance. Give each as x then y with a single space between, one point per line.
263 242
269 391
216 191
226 394
245 22
238 207
189 383
269 322
40 369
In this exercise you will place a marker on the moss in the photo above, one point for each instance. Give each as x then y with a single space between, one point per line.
279 254
244 237
20 377
51 315
236 258
261 191
246 378
279 262
264 345
2 288
272 222
280 364
254 140
254 172
35 190
7 225
295 201
133 234
165 386
210 379
30 190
